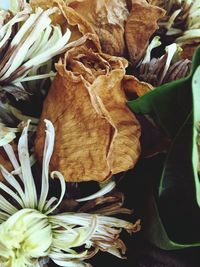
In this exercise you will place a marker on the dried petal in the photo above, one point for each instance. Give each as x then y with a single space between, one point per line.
141 24
133 86
108 20
105 18
96 134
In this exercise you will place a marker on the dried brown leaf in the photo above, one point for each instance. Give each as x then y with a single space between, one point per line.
108 18
141 24
133 87
96 134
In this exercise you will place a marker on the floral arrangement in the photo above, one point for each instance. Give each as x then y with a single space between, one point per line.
88 90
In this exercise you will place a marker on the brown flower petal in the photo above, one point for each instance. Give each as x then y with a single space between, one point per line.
96 134
108 20
133 87
141 24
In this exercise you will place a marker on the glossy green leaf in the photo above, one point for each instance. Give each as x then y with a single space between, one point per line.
174 205
170 103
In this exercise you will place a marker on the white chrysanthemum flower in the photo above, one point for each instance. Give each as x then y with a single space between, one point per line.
31 230
192 31
11 115
182 20
35 42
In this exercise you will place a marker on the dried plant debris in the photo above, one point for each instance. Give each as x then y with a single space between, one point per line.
188 51
96 134
140 27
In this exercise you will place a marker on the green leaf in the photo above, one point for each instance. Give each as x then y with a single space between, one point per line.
157 233
170 103
180 182
175 202
196 120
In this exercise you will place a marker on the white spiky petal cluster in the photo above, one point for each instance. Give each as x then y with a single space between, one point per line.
193 24
191 32
35 43
31 231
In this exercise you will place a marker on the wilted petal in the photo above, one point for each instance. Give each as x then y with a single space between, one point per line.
96 134
133 87
141 24
108 20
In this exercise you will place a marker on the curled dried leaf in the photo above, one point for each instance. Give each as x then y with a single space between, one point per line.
141 24
134 87
96 134
108 20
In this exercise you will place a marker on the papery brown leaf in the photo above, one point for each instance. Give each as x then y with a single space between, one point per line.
141 24
108 18
96 134
80 133
80 24
133 87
